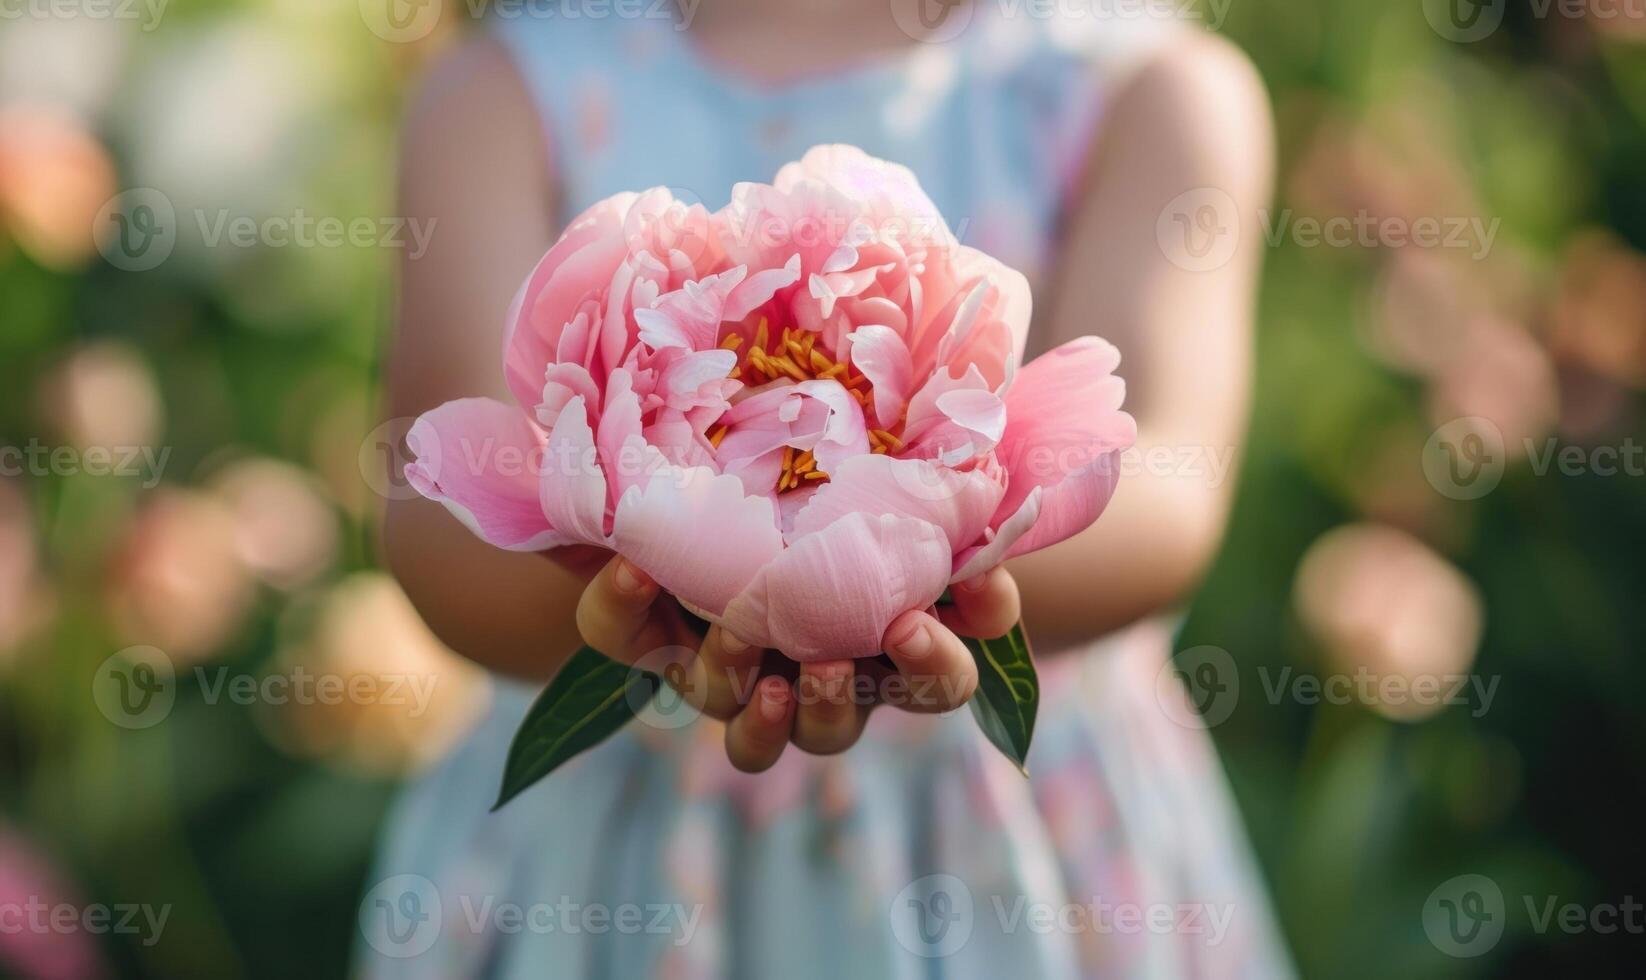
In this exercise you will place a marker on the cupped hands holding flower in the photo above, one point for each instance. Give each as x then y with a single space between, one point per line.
767 702
802 416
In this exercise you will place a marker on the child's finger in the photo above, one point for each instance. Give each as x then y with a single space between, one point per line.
937 670
986 606
614 614
827 718
721 679
759 733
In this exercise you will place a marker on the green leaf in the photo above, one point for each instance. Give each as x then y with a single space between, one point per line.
591 698
1008 693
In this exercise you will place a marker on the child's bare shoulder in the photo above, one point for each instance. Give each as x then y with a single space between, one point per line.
473 82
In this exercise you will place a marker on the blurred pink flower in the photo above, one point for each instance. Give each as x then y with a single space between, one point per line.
1599 318
1381 600
285 528
33 950
1423 302
54 176
405 698
103 394
797 413
1621 19
1499 373
1400 159
178 581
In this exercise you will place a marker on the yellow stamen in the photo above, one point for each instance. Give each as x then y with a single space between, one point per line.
888 438
795 355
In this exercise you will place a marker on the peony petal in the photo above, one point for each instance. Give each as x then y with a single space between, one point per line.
1007 308
820 290
882 357
965 321
477 457
983 324
979 412
756 426
690 316
697 534
923 412
818 415
954 419
881 311
975 561
616 336
573 488
888 190
759 288
692 379
1064 431
831 288
758 473
580 265
844 434
619 424
562 383
832 594
958 503
1071 505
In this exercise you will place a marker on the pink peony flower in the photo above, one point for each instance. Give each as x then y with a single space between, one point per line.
803 414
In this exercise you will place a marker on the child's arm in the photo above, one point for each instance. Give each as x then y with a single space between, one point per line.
1195 117
473 164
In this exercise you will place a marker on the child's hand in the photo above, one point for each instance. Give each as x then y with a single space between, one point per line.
767 701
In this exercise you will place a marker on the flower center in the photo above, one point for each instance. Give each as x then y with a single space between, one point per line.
796 356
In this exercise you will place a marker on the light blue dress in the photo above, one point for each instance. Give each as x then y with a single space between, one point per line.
920 852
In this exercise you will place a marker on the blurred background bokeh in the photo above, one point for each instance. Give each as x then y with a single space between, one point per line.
192 450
